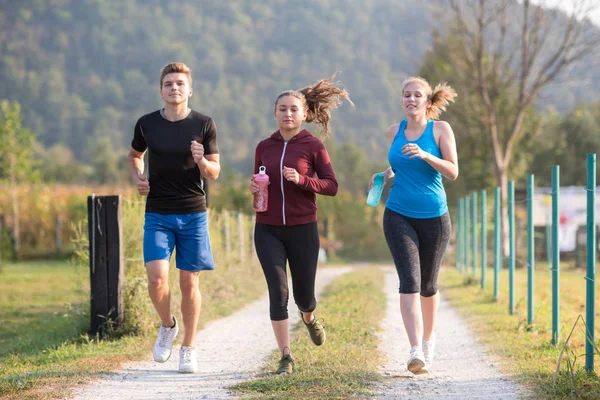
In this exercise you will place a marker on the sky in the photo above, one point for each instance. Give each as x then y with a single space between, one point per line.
567 6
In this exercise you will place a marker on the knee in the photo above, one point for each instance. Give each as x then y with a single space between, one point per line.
429 290
278 300
307 305
157 281
409 286
189 288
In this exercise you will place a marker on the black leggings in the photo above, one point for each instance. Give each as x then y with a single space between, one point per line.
417 247
299 245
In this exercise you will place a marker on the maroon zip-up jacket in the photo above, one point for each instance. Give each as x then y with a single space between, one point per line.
290 203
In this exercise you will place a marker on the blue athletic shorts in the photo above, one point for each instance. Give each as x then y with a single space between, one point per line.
186 232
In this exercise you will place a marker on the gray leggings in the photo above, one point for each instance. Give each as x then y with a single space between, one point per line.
417 247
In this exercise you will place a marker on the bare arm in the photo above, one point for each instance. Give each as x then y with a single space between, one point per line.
210 166
448 164
388 173
392 130
135 162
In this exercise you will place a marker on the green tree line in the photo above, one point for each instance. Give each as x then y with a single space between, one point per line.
85 70
79 73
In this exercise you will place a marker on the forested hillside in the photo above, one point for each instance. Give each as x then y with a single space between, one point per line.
85 70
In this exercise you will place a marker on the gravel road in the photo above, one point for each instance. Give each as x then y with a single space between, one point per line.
461 369
234 349
229 351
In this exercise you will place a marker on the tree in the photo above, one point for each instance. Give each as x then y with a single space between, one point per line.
500 58
475 152
566 141
108 162
17 163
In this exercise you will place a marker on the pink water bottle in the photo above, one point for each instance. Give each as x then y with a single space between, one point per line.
261 198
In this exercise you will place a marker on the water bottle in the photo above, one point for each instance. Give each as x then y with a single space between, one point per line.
261 198
376 189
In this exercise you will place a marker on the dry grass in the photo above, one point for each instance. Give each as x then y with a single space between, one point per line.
526 351
45 357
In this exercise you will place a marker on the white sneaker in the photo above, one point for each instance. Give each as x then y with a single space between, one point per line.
187 360
164 342
416 361
428 351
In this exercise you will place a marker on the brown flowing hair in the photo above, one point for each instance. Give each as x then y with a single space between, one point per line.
318 100
175 67
440 97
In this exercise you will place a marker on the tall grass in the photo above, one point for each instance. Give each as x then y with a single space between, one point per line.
41 206
237 278
47 369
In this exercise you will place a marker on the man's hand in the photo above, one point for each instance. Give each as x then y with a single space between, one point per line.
142 184
197 151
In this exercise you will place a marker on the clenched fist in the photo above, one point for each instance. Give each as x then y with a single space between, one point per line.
142 184
197 151
291 174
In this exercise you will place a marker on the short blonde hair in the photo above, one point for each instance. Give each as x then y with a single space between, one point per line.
440 96
175 67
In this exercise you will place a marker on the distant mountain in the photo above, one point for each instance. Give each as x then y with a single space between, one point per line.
85 69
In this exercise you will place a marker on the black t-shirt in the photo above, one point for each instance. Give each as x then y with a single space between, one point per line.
175 179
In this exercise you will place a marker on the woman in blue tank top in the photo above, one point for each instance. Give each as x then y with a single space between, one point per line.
416 222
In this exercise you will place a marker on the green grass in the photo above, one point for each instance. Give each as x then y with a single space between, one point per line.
44 317
44 314
525 352
352 307
41 305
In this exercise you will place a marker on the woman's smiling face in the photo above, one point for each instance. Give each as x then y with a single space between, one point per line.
415 100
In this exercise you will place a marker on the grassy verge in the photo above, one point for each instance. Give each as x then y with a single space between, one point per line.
44 317
345 367
525 351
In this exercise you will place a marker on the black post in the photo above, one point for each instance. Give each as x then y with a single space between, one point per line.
107 265
1 236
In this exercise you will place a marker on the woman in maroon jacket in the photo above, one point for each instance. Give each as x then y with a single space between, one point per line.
298 166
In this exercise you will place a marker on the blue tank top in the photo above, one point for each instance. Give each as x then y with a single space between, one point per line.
417 191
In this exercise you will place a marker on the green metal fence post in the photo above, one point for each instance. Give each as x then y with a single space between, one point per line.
483 238
474 232
555 253
549 242
590 290
511 243
530 248
467 233
497 225
458 241
465 238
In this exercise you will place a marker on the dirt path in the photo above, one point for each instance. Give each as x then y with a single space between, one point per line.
229 351
461 370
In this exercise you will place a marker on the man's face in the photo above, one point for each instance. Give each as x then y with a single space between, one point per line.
175 88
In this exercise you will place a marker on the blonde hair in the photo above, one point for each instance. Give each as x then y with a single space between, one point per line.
175 67
318 100
440 96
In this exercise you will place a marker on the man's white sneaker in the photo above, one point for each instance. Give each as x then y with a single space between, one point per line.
428 351
416 361
187 360
164 342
